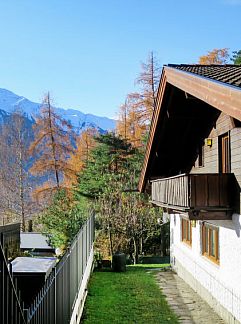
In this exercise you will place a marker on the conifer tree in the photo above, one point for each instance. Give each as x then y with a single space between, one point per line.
135 115
85 142
236 58
106 160
51 149
62 219
110 180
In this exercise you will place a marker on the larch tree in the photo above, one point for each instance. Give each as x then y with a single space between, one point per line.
16 183
51 149
216 56
148 80
135 115
85 142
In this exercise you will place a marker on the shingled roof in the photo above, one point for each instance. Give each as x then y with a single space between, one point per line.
229 74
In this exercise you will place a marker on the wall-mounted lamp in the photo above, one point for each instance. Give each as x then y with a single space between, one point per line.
209 142
193 222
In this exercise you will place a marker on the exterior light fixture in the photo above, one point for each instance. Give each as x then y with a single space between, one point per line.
193 222
209 142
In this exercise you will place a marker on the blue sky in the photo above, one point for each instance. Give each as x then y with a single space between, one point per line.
87 53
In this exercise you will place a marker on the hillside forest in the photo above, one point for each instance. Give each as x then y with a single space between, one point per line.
54 178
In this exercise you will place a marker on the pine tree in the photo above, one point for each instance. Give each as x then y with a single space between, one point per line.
107 160
51 149
236 58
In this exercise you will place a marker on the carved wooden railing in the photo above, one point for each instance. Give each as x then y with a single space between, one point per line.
195 192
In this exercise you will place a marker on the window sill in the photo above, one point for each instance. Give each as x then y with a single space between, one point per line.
211 260
187 243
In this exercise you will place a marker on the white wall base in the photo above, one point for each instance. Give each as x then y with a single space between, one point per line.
82 294
204 293
218 284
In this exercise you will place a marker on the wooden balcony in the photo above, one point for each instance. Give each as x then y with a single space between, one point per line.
202 196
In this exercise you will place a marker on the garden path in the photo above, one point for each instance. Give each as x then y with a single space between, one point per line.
184 301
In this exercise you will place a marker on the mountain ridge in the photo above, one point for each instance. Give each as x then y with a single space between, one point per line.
9 102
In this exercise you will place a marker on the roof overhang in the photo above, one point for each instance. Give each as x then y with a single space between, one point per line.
218 95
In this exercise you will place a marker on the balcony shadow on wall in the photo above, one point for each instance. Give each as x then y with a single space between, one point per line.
236 220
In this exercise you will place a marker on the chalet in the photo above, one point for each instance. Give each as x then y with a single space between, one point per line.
192 168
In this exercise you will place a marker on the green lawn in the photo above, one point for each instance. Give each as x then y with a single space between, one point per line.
128 297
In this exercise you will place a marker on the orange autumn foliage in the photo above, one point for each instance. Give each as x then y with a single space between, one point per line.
85 142
135 115
216 56
131 124
51 149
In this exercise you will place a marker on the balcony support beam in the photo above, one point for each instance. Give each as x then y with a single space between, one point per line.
210 215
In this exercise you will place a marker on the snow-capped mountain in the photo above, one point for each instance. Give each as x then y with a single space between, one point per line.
9 102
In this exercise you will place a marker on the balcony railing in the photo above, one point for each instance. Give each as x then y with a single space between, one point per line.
203 196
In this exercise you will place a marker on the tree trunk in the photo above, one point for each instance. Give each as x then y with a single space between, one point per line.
163 241
21 183
136 250
153 82
141 245
53 143
111 242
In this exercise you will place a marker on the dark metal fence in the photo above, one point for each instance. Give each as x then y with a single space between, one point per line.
11 310
10 238
55 302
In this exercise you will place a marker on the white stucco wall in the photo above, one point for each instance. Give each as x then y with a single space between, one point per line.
222 281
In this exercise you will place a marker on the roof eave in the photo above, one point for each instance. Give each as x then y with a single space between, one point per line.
224 97
160 93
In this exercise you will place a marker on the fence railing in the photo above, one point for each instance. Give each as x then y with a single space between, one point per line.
56 300
11 309
10 238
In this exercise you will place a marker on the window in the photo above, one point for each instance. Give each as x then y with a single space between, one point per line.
210 242
186 231
224 154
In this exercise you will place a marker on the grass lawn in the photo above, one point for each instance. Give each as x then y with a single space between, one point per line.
127 297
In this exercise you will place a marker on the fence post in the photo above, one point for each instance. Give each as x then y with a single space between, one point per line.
55 296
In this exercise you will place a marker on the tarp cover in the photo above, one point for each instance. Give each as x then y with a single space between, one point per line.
33 265
34 241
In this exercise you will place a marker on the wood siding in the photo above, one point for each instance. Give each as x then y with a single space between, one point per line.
224 125
210 154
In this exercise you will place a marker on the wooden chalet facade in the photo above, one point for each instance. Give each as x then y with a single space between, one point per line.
192 168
